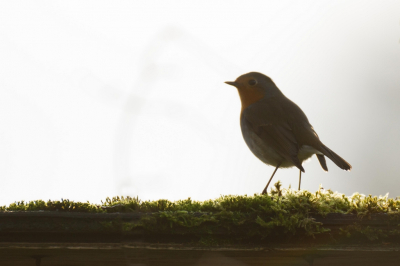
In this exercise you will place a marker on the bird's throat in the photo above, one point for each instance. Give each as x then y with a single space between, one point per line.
249 96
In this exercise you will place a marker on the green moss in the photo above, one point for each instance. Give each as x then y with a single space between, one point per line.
321 202
284 212
63 205
356 231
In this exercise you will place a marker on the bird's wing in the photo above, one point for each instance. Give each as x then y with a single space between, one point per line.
306 135
276 134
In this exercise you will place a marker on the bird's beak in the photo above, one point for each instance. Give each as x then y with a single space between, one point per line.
232 83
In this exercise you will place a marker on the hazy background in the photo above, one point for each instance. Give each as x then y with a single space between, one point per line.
105 98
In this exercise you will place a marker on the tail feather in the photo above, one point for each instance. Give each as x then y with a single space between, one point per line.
322 162
339 161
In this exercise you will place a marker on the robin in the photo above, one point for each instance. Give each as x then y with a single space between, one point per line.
275 129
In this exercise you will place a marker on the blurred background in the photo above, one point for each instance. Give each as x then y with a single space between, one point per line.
105 98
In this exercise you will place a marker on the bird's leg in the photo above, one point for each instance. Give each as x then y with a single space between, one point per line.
299 179
265 189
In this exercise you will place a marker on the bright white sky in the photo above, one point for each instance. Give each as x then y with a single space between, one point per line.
105 98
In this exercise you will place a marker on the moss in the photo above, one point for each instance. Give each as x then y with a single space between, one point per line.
358 232
63 205
283 212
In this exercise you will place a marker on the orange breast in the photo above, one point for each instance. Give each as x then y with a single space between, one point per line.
249 96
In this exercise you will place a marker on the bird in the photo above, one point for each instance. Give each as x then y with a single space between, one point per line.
275 129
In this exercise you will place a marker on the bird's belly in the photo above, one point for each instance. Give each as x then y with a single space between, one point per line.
262 151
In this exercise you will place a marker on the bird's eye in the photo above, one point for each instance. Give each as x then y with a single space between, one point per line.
252 82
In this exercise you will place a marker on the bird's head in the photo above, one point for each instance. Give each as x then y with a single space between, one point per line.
253 87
